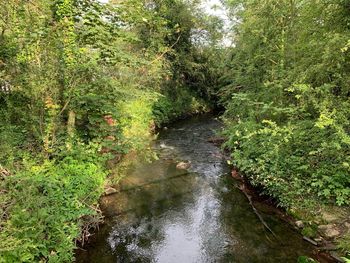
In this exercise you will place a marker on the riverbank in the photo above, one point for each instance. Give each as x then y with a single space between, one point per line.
324 247
49 202
286 163
323 229
46 206
160 212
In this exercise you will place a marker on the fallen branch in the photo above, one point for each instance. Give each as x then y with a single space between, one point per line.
311 241
242 188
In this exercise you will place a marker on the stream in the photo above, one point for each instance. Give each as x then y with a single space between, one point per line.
164 214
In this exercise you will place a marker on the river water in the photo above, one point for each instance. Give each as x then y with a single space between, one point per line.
163 214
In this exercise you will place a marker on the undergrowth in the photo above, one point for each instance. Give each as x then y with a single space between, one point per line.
44 206
47 202
298 164
170 107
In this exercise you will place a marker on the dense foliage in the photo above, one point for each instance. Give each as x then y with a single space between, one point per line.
287 96
52 202
81 82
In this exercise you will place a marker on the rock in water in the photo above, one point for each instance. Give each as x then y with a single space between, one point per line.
183 165
163 146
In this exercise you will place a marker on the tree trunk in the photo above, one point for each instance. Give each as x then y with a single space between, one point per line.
70 128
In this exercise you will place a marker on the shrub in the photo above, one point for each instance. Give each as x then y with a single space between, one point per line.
48 203
292 163
171 107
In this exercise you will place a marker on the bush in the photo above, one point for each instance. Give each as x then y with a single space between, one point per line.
136 120
287 95
48 203
292 163
171 107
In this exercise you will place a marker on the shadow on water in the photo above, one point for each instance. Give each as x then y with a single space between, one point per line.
163 214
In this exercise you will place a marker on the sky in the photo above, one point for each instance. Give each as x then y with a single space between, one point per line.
212 7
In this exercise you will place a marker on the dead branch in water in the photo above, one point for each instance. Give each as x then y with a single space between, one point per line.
242 188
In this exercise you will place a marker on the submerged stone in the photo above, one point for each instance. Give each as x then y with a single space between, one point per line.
183 165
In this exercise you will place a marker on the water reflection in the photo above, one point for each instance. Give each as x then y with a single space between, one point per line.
163 214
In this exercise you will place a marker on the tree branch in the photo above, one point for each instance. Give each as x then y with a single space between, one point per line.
166 51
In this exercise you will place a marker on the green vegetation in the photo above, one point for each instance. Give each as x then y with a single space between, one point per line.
47 206
287 99
310 231
344 245
285 87
83 83
304 259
